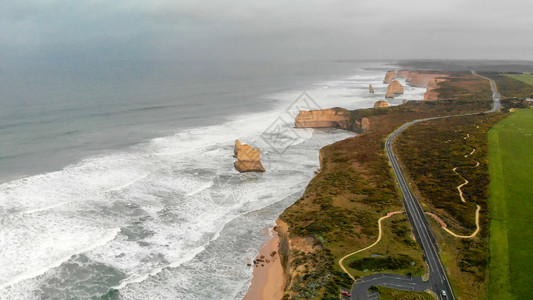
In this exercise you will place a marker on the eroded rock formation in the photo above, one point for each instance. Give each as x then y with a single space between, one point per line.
390 76
381 103
395 88
370 89
248 158
390 93
331 117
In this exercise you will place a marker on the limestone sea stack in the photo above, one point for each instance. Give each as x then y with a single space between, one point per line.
248 158
331 117
390 76
381 104
395 88
370 89
390 93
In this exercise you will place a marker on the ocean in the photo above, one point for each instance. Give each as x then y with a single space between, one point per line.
117 182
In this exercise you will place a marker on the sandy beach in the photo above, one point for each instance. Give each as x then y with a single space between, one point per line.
268 280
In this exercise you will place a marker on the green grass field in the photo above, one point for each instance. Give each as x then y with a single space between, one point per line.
511 207
527 78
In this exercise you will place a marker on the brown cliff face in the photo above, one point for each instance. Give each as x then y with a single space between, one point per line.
390 76
248 158
381 103
370 89
431 93
403 74
330 117
421 79
289 250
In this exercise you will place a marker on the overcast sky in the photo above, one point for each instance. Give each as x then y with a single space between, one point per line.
51 30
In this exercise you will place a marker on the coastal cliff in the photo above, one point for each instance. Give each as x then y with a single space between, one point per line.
431 90
357 121
420 78
340 208
331 117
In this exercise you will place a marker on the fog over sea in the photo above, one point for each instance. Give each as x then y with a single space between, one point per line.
117 181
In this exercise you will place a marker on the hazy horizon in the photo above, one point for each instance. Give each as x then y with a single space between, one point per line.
98 32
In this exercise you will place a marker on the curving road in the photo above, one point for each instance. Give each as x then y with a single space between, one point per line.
438 280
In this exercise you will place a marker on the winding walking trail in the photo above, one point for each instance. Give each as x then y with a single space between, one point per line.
368 247
459 188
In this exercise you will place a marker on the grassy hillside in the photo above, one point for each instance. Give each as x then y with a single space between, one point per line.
339 210
511 208
429 152
464 87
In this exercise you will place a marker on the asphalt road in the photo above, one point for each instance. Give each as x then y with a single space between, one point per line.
438 280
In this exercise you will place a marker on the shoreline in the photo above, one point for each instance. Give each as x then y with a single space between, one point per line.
268 282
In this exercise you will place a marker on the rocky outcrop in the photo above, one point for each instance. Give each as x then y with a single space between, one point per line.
248 158
331 117
365 124
395 87
431 92
390 76
370 89
381 103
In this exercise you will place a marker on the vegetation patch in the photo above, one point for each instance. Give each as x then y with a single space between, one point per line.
392 294
429 151
511 208
464 87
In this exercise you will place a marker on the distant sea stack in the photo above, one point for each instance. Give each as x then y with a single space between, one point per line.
331 117
370 89
381 104
390 76
248 158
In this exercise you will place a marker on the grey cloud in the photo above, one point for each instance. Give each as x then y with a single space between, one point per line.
276 29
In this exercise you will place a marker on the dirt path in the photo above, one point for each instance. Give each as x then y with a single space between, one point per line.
368 247
444 225
459 188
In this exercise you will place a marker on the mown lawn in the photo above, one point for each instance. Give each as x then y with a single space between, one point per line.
527 78
511 207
